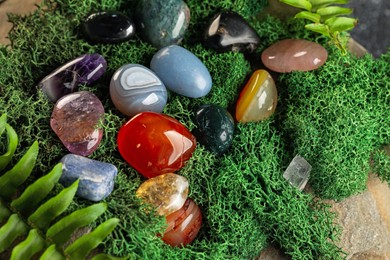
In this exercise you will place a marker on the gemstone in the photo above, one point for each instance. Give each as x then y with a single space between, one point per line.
96 178
135 88
228 31
294 55
155 144
214 128
85 69
257 101
183 225
162 22
108 27
167 192
77 120
298 172
181 71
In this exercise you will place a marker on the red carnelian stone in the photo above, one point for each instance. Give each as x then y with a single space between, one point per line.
155 144
183 224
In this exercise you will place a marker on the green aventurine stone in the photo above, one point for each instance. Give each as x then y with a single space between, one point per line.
214 128
162 22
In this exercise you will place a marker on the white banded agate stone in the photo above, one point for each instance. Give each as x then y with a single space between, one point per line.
135 89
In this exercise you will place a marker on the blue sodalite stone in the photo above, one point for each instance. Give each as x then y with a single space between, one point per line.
181 71
214 128
108 27
96 178
135 88
162 22
85 69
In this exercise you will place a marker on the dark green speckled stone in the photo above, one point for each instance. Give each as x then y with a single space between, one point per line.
162 22
214 128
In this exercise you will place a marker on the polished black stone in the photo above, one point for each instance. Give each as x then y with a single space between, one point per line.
214 128
228 31
108 27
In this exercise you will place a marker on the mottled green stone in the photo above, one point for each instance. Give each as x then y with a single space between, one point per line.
162 22
214 128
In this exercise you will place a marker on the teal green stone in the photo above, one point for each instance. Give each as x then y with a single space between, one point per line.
214 128
162 22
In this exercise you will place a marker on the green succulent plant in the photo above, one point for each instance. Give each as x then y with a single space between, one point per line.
326 18
22 216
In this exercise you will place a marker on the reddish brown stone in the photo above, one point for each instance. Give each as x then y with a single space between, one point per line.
294 54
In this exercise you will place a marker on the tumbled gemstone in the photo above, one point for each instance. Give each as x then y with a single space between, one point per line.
181 71
166 192
294 55
257 101
155 144
183 225
214 128
77 120
85 69
108 27
228 31
298 172
135 88
96 178
162 22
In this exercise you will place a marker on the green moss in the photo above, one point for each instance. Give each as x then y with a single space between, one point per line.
333 122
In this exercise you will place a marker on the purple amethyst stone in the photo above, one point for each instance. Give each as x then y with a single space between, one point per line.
83 70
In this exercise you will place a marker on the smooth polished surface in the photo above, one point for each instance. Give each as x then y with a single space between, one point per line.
108 27
258 99
77 119
162 22
181 71
294 55
167 192
183 225
228 31
96 177
214 128
155 144
85 69
135 88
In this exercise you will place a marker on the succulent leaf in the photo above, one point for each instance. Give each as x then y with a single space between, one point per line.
318 27
11 230
53 207
33 244
61 231
107 257
85 244
323 3
12 179
36 192
304 4
339 24
309 16
4 212
51 253
12 142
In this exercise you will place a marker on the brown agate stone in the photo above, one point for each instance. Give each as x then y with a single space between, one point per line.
183 225
294 54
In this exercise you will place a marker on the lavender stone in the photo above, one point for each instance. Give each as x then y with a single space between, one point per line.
96 178
77 119
85 69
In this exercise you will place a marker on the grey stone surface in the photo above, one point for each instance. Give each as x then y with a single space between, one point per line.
373 28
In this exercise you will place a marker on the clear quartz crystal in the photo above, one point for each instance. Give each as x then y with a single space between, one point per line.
298 172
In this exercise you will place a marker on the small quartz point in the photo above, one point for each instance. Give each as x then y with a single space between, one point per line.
298 172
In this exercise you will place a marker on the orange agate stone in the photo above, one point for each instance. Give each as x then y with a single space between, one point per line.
155 143
257 101
183 225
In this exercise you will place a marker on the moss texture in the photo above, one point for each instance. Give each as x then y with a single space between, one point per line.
334 117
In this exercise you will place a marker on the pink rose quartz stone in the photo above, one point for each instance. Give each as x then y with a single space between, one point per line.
294 55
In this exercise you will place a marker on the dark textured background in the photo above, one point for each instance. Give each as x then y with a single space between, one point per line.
373 29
